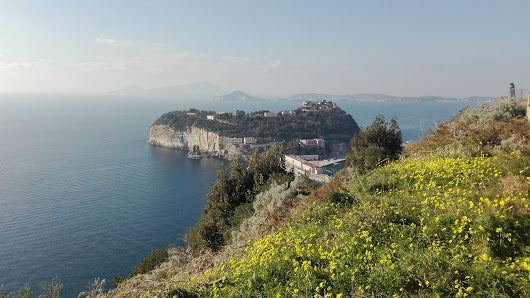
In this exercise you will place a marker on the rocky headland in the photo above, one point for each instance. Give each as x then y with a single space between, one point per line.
314 128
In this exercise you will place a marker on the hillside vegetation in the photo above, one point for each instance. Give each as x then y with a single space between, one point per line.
231 196
486 129
449 217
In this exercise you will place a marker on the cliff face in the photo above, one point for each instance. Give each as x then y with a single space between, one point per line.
208 142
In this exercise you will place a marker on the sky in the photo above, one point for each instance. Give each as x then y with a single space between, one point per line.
403 48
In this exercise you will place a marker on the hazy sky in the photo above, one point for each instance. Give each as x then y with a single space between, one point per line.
409 48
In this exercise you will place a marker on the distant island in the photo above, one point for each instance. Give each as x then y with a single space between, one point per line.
377 97
238 96
206 91
316 127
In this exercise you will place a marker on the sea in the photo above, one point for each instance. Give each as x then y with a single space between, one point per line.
83 196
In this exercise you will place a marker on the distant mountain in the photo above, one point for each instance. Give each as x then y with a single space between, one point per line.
201 90
377 97
238 96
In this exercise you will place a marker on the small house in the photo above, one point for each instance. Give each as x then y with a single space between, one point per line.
249 140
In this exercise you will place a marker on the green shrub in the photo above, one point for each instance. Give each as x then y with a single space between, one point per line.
341 198
118 280
152 261
180 292
375 145
240 213
366 159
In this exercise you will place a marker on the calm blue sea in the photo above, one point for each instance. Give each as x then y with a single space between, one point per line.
82 195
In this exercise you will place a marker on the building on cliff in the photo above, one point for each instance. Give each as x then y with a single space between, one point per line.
315 169
319 143
299 165
315 106
249 140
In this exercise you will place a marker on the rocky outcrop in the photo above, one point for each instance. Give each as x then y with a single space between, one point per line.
208 142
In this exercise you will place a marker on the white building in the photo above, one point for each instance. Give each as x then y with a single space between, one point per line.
249 140
320 143
269 114
210 117
314 106
298 165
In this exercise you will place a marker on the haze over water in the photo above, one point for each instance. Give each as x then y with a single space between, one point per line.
82 194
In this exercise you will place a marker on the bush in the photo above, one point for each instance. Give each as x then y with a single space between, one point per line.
152 261
341 198
375 145
95 289
183 293
504 109
483 130
118 280
51 289
367 159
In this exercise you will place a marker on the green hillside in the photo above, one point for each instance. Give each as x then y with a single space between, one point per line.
448 218
421 226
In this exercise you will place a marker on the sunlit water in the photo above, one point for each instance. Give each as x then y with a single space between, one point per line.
82 194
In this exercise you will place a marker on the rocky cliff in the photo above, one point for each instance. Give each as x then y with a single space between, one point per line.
208 142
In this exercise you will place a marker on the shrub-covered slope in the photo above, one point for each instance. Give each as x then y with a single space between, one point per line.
501 126
421 226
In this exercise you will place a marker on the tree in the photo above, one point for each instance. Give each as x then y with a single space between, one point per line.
240 114
229 193
375 145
